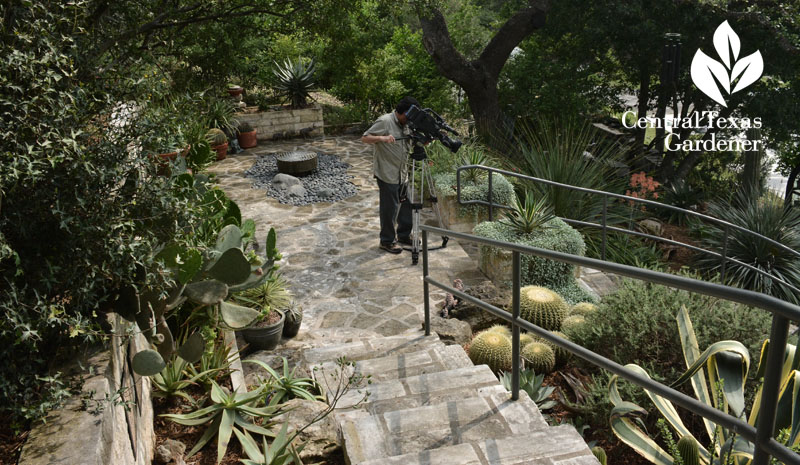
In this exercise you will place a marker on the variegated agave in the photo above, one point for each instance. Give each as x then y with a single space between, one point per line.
728 363
295 81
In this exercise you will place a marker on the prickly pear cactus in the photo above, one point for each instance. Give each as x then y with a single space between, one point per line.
583 308
600 454
542 307
540 357
687 448
493 349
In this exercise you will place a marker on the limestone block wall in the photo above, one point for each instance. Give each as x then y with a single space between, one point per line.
110 422
282 124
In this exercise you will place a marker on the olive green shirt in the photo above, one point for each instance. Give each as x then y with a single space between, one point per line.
389 160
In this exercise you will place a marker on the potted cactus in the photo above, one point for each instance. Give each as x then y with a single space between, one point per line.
269 299
247 135
294 317
219 142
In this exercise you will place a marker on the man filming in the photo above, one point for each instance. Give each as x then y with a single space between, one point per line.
389 168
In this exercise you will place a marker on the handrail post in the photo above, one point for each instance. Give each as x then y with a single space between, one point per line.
605 227
490 195
772 379
515 266
724 253
425 290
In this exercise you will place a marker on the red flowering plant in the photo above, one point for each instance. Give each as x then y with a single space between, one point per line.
642 187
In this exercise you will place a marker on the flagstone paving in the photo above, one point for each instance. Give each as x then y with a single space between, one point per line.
344 282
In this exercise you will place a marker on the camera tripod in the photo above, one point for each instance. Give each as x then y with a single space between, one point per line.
416 197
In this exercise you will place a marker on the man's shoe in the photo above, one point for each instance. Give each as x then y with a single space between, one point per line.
391 247
405 240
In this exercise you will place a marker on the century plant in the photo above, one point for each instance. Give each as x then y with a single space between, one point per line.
529 215
531 383
727 364
295 81
766 217
473 154
173 379
228 412
280 388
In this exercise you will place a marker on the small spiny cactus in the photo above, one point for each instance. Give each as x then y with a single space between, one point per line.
583 308
542 307
493 349
600 454
540 357
500 329
687 448
571 322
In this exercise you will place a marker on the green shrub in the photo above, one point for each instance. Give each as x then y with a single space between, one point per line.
557 236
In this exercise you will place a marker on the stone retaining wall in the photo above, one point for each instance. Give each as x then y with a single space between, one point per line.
284 124
111 422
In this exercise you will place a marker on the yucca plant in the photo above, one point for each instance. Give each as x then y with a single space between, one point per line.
570 152
722 387
228 412
295 81
529 215
679 194
280 388
220 115
764 216
473 154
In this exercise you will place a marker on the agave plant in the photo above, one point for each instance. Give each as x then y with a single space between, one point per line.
531 383
173 379
728 363
768 218
228 412
473 154
280 388
280 452
530 215
295 81
680 194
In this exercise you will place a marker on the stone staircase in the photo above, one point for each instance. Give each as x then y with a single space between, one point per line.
428 404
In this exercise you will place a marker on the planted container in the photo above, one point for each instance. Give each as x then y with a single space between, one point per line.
294 317
247 136
265 337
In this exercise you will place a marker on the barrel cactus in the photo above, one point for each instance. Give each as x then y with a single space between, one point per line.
540 357
542 307
493 349
583 308
571 322
526 338
687 448
600 454
216 137
501 329
562 355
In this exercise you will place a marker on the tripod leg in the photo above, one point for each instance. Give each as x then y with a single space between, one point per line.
435 202
416 206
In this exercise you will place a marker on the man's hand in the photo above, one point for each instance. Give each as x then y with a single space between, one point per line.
370 139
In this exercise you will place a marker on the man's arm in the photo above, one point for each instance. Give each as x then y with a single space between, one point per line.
370 139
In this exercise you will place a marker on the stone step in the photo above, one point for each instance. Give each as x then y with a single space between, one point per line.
560 445
418 390
430 360
488 415
370 348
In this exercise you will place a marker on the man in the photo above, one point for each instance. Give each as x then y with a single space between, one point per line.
389 168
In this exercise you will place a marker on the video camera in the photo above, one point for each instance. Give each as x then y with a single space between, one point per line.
427 126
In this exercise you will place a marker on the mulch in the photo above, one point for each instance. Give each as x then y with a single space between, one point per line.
10 443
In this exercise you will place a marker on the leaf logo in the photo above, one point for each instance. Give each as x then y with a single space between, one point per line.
709 75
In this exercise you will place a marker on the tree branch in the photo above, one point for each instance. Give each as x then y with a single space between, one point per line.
513 31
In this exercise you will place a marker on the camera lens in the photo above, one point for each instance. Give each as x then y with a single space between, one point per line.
452 144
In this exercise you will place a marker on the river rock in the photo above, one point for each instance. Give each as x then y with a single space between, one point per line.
285 181
321 438
451 330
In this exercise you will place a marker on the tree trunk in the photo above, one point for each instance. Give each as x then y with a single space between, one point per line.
790 184
644 97
479 77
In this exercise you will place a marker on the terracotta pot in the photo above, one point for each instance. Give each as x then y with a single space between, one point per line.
165 159
247 139
234 91
222 151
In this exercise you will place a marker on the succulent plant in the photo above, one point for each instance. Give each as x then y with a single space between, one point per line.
204 278
491 348
529 215
540 357
583 308
571 322
526 338
688 450
562 355
600 454
216 137
542 307
294 313
295 81
501 329
244 126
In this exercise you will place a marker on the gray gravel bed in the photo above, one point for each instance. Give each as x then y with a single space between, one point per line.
329 183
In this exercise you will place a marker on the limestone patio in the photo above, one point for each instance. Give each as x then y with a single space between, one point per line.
344 282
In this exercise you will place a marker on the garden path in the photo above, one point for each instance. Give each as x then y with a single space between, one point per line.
345 283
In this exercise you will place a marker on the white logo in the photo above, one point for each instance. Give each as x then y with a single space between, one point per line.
730 72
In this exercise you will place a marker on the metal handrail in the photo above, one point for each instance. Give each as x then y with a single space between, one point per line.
727 226
782 312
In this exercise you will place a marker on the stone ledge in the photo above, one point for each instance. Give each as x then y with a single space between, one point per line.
281 124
